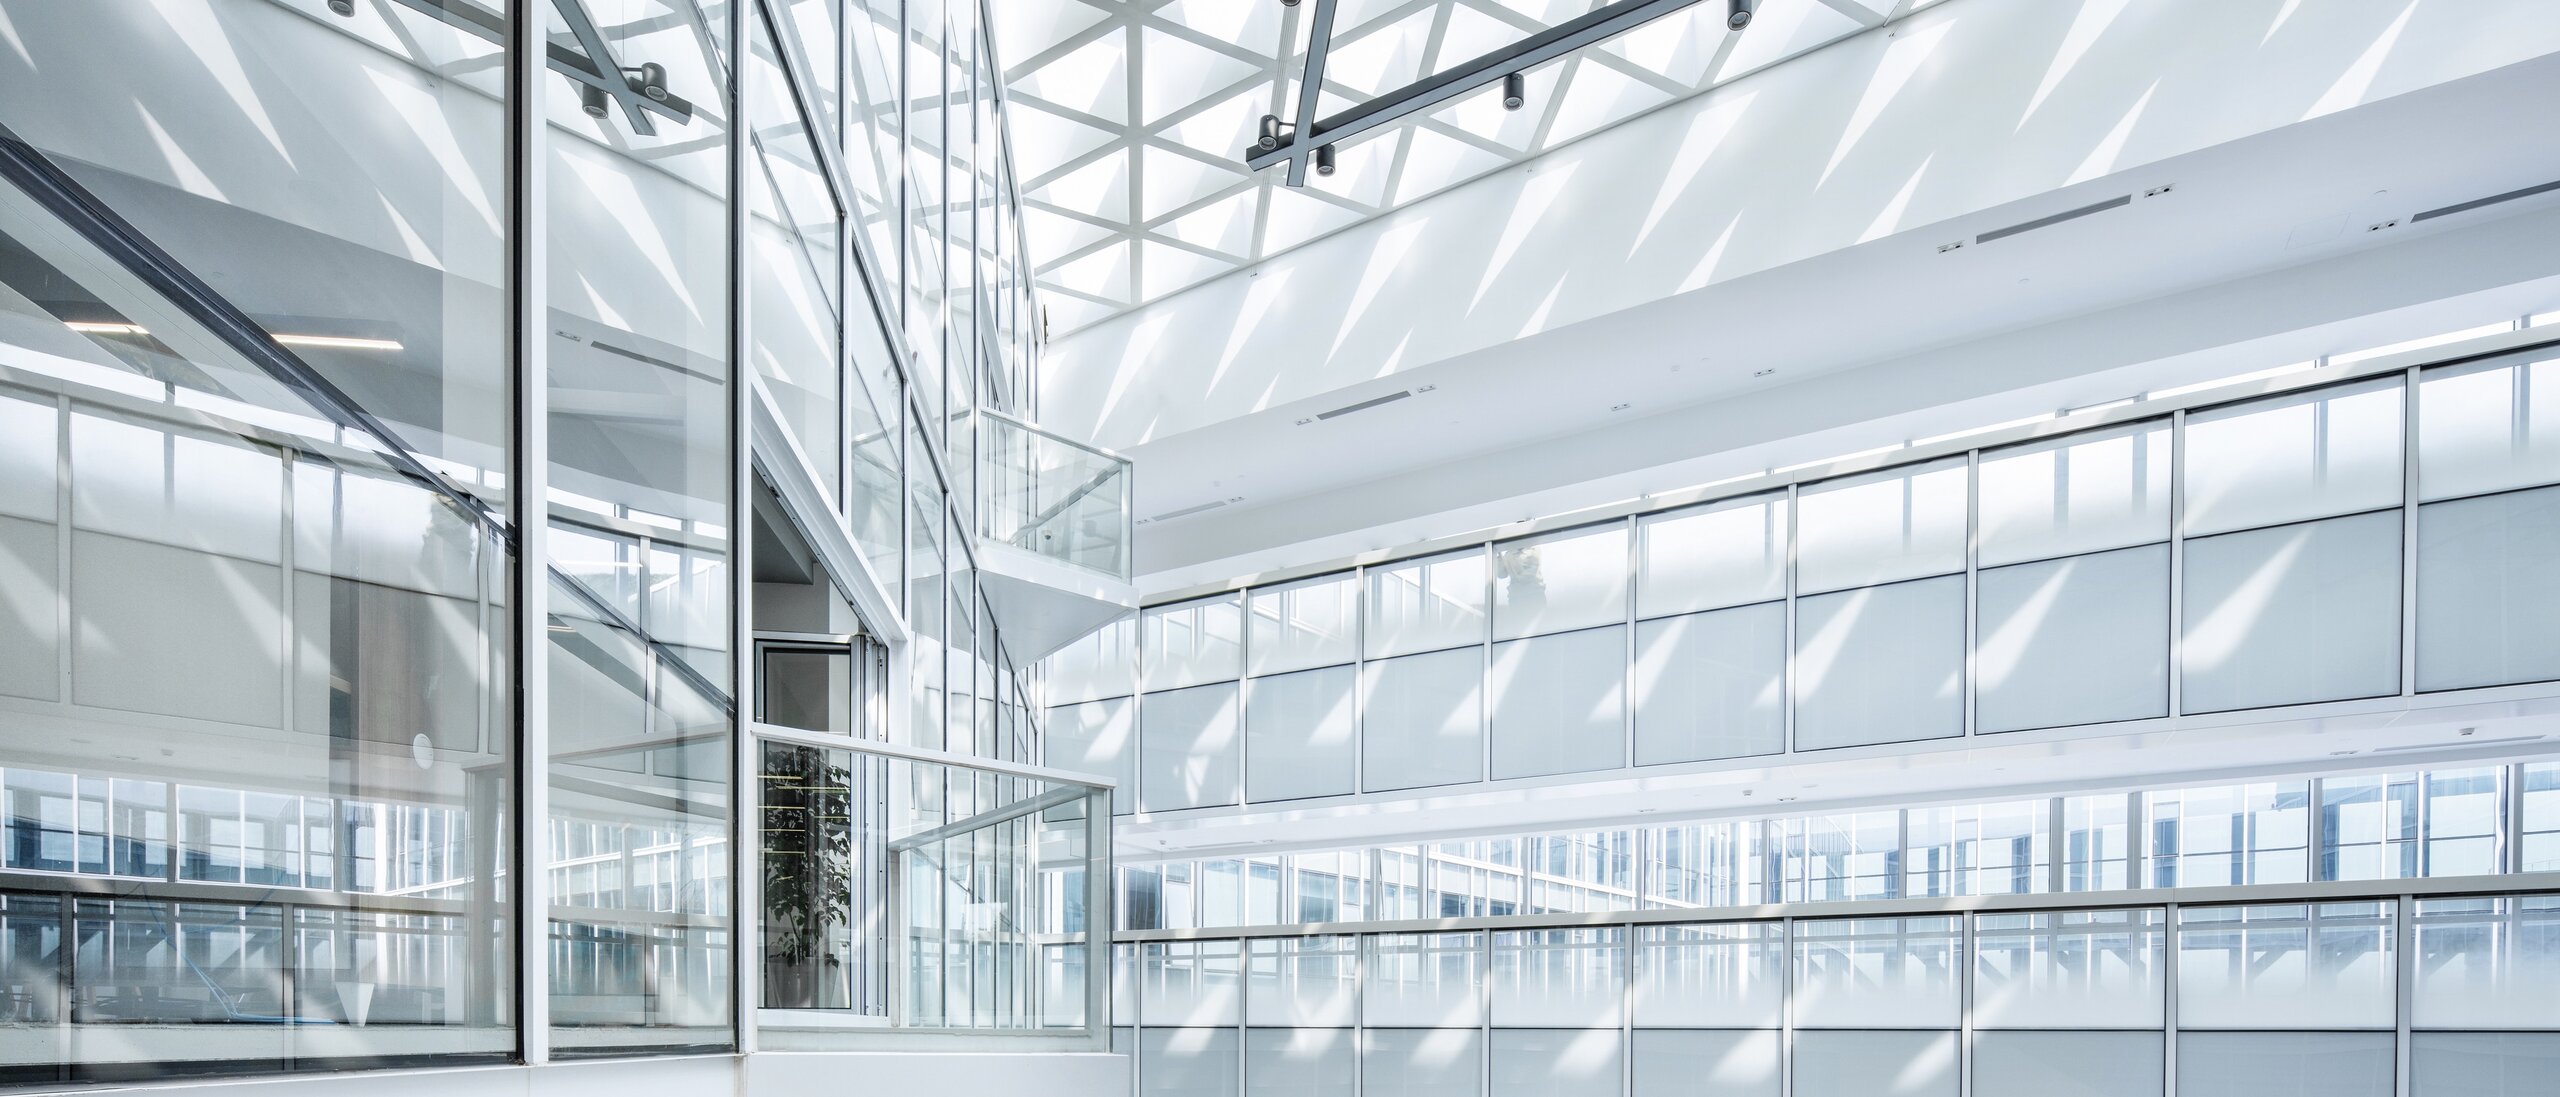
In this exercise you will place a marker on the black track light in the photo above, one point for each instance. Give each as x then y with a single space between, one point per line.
1738 13
1324 159
1288 3
650 79
591 98
1515 91
343 7
1270 138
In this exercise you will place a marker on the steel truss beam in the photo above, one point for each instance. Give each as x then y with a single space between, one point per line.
595 68
1298 146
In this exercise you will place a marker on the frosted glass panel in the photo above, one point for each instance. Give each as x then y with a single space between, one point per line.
2294 614
2484 1064
1192 643
2080 640
1880 665
1422 720
2322 965
1189 983
1727 553
2284 1064
1712 685
1875 1064
1876 973
1676 1063
1422 1063
1557 704
2092 969
1102 664
29 447
1560 581
1427 604
1424 980
2489 589
2085 493
158 484
30 592
176 631
1302 1062
1711 976
1881 527
2488 427
1298 732
1559 978
1309 982
2068 1064
2301 455
1187 754
1188 1062
2488 964
1314 623
1099 737
1556 1063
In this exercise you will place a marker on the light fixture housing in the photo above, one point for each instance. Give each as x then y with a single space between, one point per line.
1270 135
1324 159
1738 13
591 100
650 78
346 8
1515 91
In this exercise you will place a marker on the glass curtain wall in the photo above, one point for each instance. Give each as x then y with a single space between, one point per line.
256 434
2247 556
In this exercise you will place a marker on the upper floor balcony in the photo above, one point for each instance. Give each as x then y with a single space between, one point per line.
1054 531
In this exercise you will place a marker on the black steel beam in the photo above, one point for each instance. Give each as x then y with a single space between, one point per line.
1598 25
491 27
1310 89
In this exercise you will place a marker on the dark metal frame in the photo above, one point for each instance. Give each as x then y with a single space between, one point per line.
595 68
1297 147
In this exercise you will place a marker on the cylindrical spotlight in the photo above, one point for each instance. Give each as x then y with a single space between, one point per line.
1515 91
1324 159
1270 138
343 7
591 98
1738 13
651 79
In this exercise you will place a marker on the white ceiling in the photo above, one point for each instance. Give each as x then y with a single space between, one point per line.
1129 118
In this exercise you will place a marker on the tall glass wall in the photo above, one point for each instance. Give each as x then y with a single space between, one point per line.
258 560
2370 994
2389 536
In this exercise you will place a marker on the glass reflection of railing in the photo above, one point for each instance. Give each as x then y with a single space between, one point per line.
1045 494
910 891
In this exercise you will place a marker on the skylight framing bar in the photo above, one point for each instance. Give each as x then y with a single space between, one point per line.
1599 25
490 27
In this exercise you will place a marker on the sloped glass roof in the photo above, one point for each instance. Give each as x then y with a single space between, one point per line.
1129 118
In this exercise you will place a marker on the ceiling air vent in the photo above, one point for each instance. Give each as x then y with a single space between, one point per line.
2494 199
2054 219
1365 405
1187 512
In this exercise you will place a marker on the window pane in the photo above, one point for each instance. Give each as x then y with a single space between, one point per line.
1556 1063
1187 755
1876 973
1192 643
1682 1063
2079 494
2483 1064
1881 527
1189 1062
1711 976
2301 966
1875 1064
1422 720
1303 983
1561 581
1191 983
1422 1063
2069 970
1298 735
1427 604
2256 1064
1099 737
2488 427
1880 665
1424 981
2294 614
1711 685
2489 963
1559 978
2287 458
2080 1064
1102 664
2228 835
2489 589
1557 704
2079 640
1301 625
1296 1062
1727 553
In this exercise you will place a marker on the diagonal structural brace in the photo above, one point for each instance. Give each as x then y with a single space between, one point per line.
595 68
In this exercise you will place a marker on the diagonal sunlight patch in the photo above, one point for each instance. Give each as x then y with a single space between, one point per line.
1536 195
2006 647
182 169
2354 83
9 34
1140 348
618 197
1258 300
1889 219
1383 257
2103 158
1705 271
1706 134
2092 21
1537 321
427 117
2223 632
415 244
206 38
2282 14
1900 63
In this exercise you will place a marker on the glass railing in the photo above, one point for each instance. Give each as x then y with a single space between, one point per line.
907 892
1045 494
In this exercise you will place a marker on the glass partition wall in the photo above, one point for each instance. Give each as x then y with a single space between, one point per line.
319 578
2348 539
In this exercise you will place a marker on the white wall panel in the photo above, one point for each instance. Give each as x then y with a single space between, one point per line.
30 592
1298 732
1711 685
1188 1062
2294 614
29 447
1880 664
1876 1064
1557 1063
2079 640
1557 704
2284 1064
1422 720
2484 1064
1298 1062
2489 589
176 631
1100 738
1422 1062
1705 1063
1727 553
2068 1064
1188 755
2300 455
